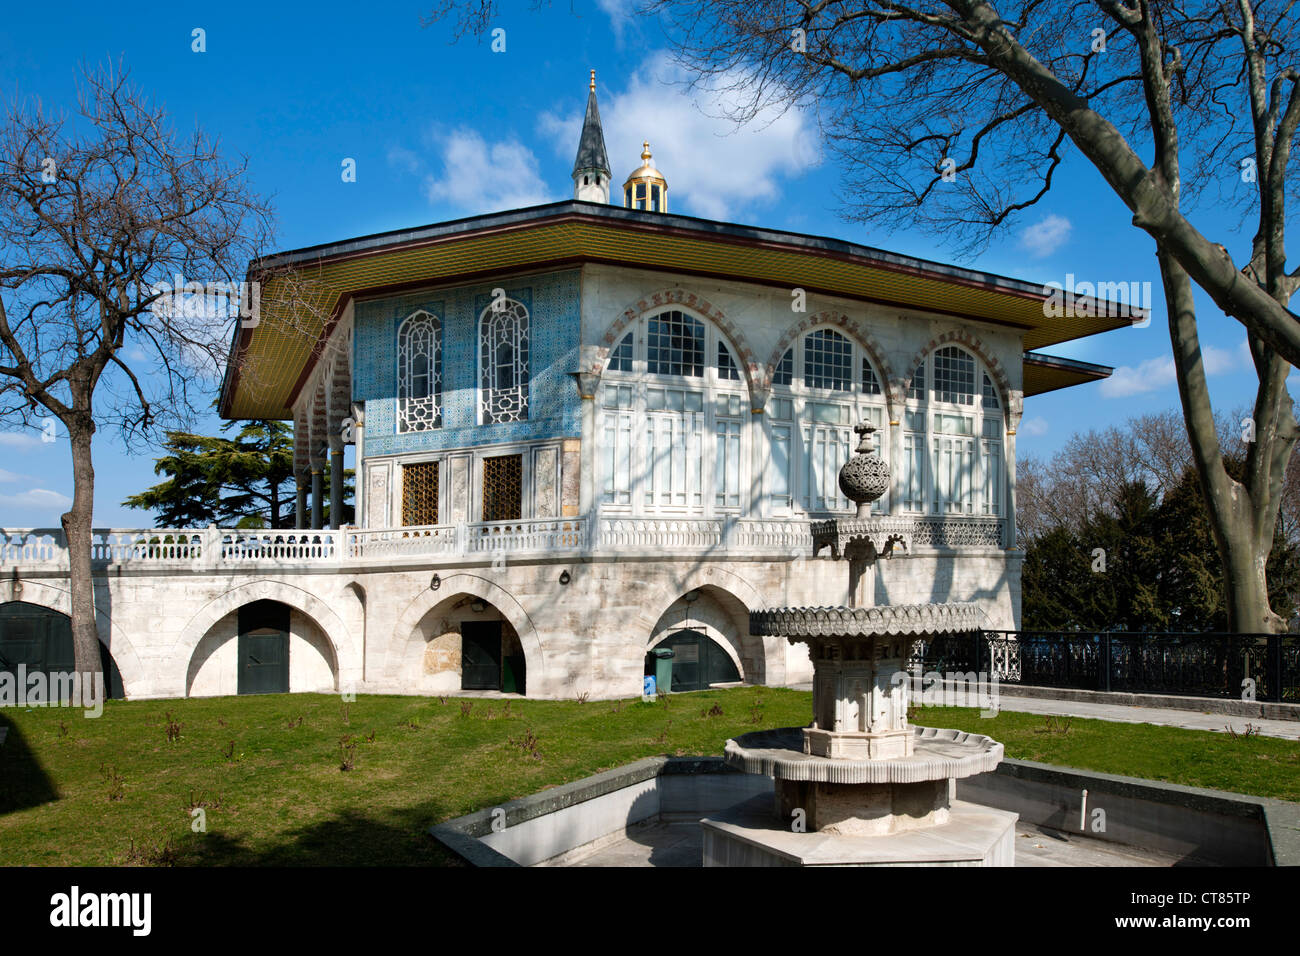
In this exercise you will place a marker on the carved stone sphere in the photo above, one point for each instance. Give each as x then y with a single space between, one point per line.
864 478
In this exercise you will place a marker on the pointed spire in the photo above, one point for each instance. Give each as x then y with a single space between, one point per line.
592 163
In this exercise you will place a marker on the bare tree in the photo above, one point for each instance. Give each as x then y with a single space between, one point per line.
99 214
955 115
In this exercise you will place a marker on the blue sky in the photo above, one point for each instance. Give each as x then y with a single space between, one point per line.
441 130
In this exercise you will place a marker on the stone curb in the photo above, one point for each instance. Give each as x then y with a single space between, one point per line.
1281 818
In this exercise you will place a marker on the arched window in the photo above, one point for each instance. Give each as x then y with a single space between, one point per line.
823 386
620 360
503 363
675 345
419 373
726 364
952 445
671 416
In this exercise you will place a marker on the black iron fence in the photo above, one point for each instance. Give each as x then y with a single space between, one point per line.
1245 666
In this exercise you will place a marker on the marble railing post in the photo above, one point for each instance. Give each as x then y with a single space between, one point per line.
300 501
317 490
359 454
336 482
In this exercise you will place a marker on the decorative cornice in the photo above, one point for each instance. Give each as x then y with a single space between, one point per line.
839 534
798 624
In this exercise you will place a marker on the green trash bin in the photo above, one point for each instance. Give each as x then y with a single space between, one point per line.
663 669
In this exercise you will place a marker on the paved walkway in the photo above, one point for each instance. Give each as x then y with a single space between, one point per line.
1165 716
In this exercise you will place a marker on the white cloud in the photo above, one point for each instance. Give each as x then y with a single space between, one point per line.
1150 375
482 177
37 499
1045 236
712 166
8 477
1217 361
407 159
19 439
1159 373
620 13
1034 427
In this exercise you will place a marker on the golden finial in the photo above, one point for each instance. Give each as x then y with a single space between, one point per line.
645 151
593 81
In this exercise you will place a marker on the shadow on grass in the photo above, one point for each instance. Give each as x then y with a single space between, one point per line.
394 838
23 781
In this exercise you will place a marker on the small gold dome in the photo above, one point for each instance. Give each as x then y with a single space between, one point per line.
646 188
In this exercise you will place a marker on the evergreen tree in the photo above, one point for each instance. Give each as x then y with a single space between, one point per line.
245 481
1144 563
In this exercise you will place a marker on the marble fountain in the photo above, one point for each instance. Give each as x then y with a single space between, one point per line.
859 786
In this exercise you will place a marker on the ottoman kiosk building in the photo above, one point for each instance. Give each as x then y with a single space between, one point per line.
583 430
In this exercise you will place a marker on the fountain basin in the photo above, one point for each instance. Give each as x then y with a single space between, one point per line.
936 754
863 797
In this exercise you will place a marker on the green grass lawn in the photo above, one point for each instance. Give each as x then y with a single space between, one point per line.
116 790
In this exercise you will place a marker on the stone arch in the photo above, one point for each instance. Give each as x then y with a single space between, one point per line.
736 595
973 343
346 654
408 642
135 678
830 318
711 616
754 372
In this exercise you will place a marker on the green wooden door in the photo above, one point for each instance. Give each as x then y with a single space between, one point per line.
697 662
480 655
264 648
41 640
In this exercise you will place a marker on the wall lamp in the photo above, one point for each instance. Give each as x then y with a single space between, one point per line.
564 577
435 583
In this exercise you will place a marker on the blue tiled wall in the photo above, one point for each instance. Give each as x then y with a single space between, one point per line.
554 407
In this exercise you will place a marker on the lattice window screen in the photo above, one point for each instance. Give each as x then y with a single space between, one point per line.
503 483
420 493
503 363
419 374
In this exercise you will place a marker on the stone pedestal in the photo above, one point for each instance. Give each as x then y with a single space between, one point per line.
749 835
864 809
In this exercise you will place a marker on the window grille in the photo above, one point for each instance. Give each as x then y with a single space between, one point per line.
503 482
419 373
420 493
503 363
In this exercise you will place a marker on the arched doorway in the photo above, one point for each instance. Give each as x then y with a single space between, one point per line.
698 662
491 657
469 644
40 641
263 648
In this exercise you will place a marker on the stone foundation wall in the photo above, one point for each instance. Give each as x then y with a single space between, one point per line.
391 631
